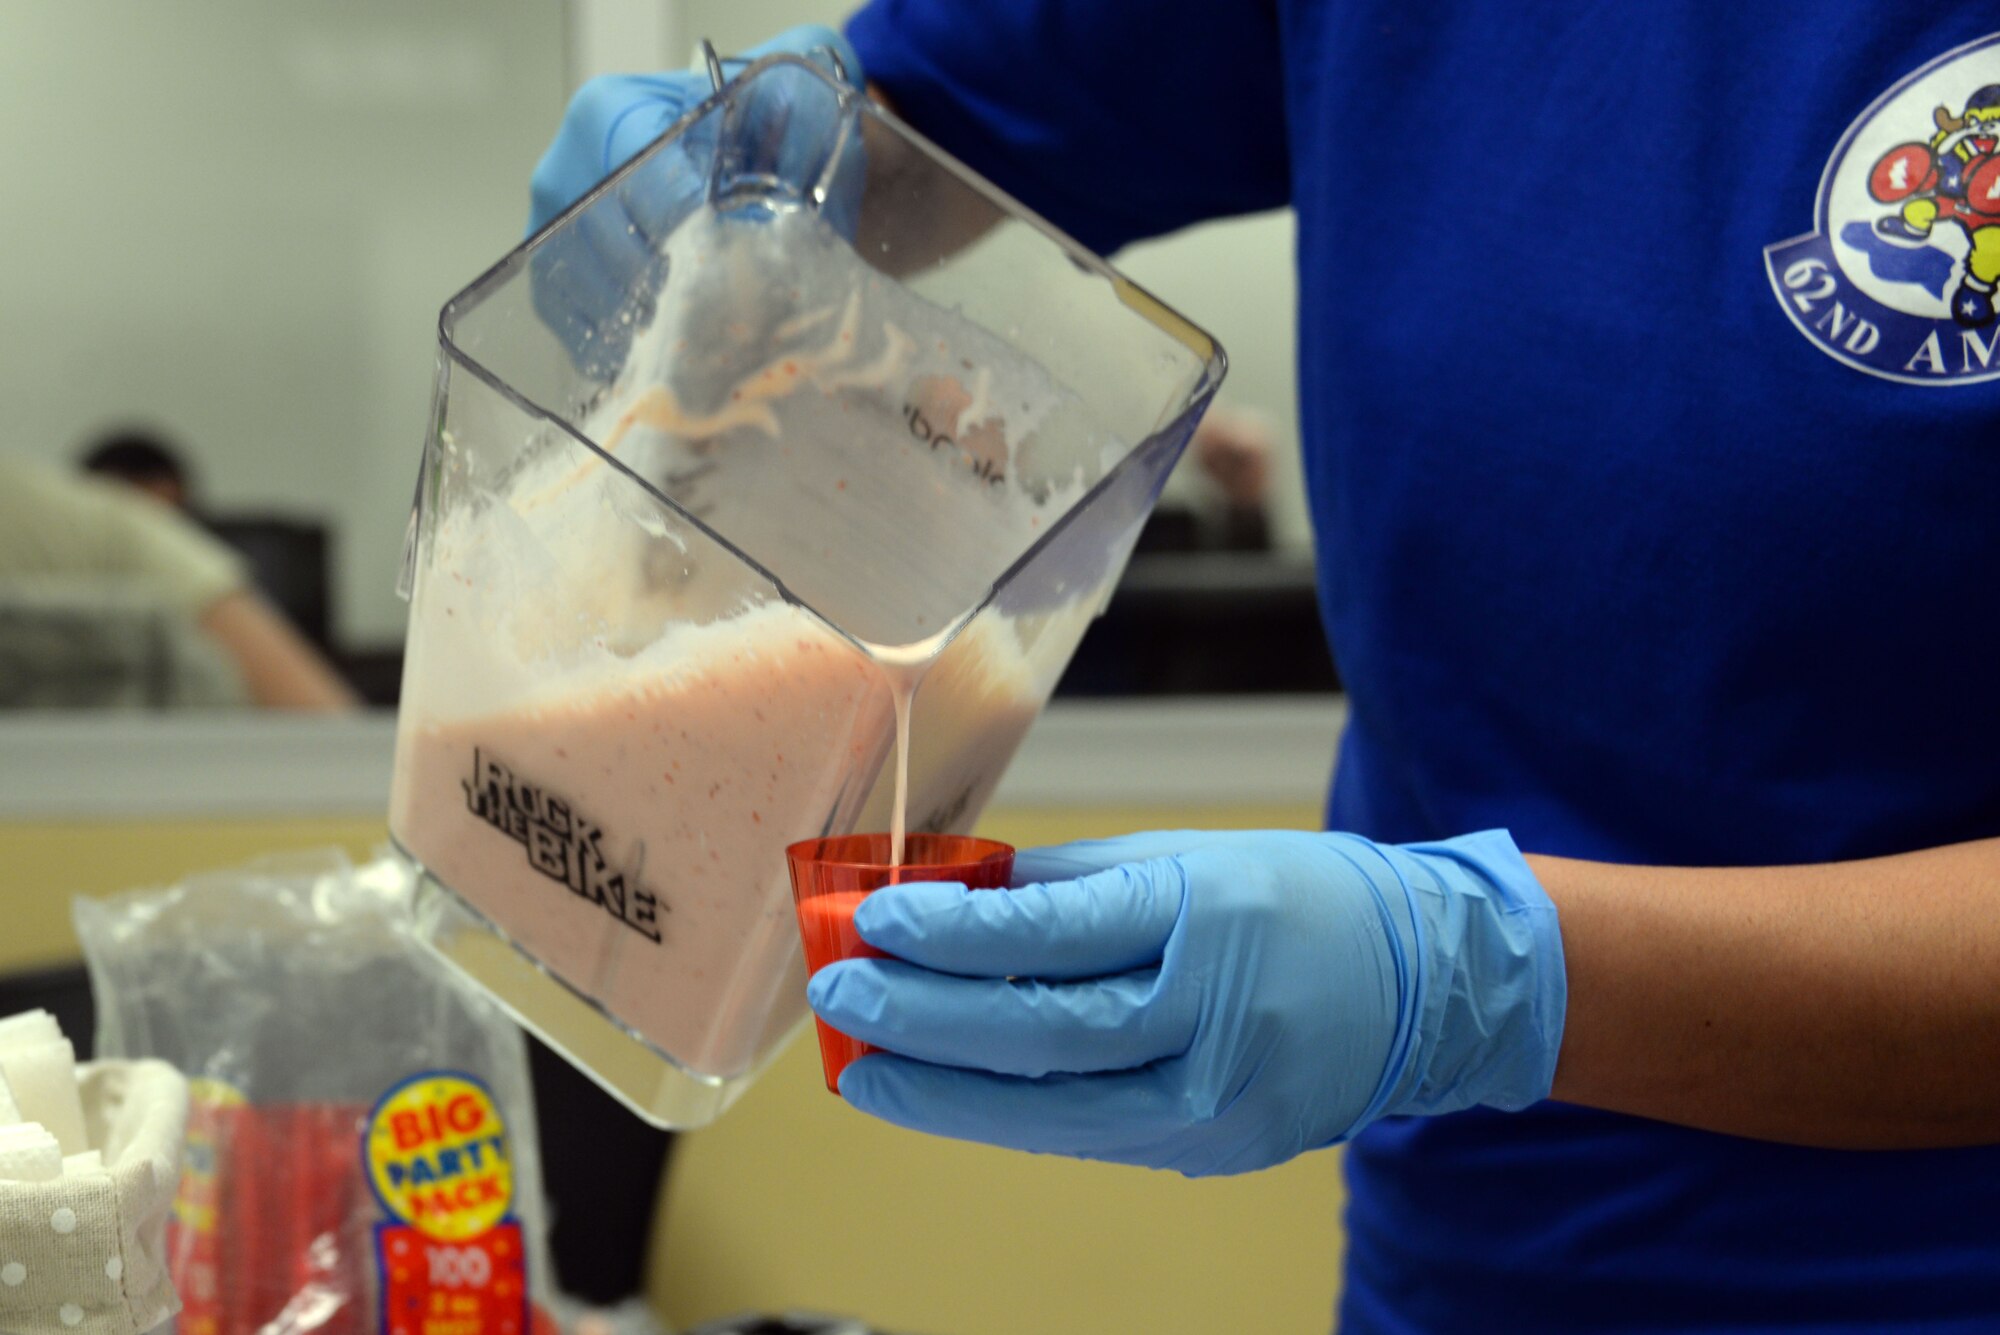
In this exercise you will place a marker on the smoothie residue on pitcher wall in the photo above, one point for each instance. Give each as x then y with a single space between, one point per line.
615 724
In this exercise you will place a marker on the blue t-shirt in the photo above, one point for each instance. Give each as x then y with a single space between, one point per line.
1651 405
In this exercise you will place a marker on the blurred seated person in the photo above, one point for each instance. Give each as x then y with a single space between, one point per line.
144 461
286 557
57 530
1217 500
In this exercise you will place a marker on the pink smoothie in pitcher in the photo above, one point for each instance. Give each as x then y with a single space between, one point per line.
629 832
631 837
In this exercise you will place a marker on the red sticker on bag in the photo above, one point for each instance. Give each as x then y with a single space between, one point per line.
475 1286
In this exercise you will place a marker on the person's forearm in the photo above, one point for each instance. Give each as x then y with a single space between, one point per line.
279 668
1850 1004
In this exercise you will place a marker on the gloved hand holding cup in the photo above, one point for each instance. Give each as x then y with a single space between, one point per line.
1210 1002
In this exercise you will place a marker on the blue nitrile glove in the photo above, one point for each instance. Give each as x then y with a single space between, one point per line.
1206 1002
613 116
584 280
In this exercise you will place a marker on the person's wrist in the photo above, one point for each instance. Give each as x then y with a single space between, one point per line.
1492 990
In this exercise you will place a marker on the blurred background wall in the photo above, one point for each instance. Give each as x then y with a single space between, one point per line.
236 221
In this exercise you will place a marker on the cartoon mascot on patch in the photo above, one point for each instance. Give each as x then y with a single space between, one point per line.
1953 179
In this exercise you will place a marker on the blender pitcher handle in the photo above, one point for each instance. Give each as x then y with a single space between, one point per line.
713 63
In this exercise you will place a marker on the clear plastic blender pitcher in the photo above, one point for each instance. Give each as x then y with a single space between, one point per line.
789 409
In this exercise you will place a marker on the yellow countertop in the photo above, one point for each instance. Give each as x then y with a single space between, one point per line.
44 864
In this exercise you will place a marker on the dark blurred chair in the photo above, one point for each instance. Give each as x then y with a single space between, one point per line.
1207 623
603 1167
61 990
377 673
289 561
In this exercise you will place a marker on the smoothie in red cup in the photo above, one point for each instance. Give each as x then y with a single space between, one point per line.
830 878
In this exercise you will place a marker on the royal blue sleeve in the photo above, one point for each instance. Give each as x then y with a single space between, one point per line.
1115 119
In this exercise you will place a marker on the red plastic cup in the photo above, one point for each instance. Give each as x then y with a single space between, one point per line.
830 878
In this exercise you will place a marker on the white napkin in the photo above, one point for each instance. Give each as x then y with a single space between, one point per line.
10 1111
28 1153
42 1075
28 1027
